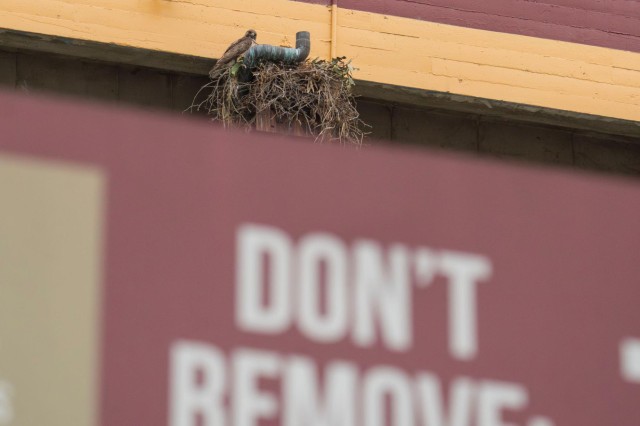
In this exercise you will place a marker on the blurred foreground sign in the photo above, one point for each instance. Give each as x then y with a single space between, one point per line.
183 275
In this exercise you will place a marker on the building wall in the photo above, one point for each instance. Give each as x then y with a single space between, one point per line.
569 55
33 72
614 23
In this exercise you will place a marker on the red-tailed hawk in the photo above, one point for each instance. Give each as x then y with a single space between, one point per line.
236 49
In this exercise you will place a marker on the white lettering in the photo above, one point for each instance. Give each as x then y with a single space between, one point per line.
189 398
255 243
250 404
314 250
382 292
381 383
431 401
463 271
539 421
303 406
204 391
329 292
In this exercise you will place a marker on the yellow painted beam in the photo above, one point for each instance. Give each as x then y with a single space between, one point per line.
386 49
202 28
492 65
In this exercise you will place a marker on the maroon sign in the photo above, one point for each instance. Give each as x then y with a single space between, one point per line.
258 281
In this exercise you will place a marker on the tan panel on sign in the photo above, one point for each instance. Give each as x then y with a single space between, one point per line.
51 218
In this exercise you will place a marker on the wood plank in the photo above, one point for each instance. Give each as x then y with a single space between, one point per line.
378 116
183 28
105 52
528 78
368 47
412 30
58 74
435 129
144 87
588 102
521 142
612 28
539 81
504 110
607 155
8 69
184 91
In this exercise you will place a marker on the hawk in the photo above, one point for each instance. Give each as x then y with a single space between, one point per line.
236 49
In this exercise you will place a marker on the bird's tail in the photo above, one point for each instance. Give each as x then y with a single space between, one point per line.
218 69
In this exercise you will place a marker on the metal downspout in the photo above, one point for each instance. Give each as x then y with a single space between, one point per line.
288 55
267 52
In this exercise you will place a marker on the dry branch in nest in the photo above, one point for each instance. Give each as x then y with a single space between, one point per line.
315 97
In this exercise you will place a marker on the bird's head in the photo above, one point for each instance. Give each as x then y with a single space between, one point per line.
251 34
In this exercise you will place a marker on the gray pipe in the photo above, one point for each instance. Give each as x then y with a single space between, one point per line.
288 55
267 52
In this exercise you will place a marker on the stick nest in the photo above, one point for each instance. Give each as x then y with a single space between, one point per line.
315 97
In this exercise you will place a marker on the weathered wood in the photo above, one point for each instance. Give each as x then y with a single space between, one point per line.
434 129
378 116
523 142
184 90
8 69
59 74
493 108
144 87
600 153
107 52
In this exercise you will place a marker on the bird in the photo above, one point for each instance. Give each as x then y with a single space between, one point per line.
235 50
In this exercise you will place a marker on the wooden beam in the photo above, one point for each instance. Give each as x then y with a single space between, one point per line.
387 93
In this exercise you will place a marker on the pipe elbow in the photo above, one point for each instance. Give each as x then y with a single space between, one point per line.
288 55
